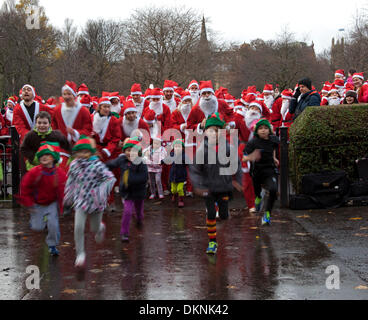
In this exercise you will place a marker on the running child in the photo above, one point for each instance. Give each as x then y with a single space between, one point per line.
87 190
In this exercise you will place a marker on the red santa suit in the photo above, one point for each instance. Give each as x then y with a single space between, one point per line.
21 119
174 102
77 118
162 111
363 90
197 115
276 115
107 135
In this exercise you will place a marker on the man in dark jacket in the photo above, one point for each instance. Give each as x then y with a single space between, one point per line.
304 97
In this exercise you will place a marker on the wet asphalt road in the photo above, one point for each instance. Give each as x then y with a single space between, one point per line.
166 259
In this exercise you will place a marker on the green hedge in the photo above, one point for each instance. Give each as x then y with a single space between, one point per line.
327 138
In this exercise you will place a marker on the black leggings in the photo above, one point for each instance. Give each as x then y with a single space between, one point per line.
267 179
222 200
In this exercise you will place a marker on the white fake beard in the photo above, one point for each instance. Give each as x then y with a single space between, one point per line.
156 107
154 130
140 107
208 106
9 115
185 109
171 103
99 123
116 108
250 116
341 92
195 96
269 101
284 108
241 111
129 126
333 101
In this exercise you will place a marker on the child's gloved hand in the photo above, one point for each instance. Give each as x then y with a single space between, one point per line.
125 178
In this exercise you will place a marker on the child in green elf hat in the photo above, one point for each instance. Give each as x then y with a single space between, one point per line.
133 183
264 172
87 190
213 179
42 190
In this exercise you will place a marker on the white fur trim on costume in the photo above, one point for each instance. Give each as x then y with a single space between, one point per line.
168 89
83 92
207 90
286 97
130 110
156 97
107 152
181 127
136 92
358 76
268 91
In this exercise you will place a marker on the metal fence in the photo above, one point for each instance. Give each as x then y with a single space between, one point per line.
9 148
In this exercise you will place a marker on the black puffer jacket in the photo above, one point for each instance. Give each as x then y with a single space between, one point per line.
210 176
137 178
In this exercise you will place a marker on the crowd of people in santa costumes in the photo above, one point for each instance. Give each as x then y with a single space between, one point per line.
161 116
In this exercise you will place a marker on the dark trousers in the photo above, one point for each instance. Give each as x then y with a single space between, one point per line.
268 179
222 199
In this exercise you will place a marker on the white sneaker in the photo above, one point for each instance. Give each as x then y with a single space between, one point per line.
166 192
189 194
81 260
117 190
100 235
152 196
252 210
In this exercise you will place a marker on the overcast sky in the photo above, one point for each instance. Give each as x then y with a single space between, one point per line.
234 20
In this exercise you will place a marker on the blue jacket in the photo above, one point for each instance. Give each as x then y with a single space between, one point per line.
309 99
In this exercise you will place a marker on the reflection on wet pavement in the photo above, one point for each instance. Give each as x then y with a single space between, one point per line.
166 258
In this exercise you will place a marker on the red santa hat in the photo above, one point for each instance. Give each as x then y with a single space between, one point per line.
83 89
28 86
129 107
252 90
174 84
168 85
178 92
147 94
206 86
326 89
339 83
94 103
257 104
359 75
149 116
104 100
136 89
13 100
114 95
86 101
249 98
156 93
286 94
260 97
340 73
229 98
268 88
193 82
71 86
349 88
186 96
333 89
